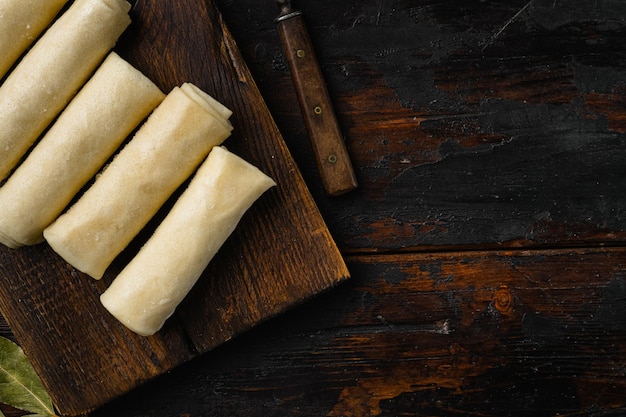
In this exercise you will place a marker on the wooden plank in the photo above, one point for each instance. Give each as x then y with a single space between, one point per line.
5 330
280 255
517 333
491 124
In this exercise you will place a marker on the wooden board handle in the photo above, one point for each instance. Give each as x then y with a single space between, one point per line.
332 157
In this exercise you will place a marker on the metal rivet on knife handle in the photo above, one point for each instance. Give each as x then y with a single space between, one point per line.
332 157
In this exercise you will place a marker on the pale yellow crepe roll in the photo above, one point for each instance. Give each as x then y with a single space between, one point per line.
153 284
21 22
54 69
164 153
95 123
217 109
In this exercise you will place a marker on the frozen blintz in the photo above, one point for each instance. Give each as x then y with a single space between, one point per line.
49 75
95 123
164 153
21 22
152 285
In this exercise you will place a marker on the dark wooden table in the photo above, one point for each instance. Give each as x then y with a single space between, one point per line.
487 239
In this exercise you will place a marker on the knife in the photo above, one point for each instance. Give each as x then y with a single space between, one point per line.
333 160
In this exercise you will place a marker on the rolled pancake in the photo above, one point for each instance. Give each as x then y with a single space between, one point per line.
164 153
217 109
158 278
21 22
54 69
95 123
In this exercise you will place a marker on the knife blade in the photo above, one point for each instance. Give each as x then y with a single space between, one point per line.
333 161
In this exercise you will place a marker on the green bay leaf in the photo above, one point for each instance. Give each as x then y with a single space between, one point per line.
20 386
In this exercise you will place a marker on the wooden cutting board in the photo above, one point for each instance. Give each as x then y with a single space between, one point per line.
280 255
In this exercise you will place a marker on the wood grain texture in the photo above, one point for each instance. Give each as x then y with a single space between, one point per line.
456 334
480 124
280 255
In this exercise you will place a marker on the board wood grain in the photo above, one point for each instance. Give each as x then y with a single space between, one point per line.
280 255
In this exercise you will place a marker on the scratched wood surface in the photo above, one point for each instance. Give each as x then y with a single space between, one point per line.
472 333
486 242
471 123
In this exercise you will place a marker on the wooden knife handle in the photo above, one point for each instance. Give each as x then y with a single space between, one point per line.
332 157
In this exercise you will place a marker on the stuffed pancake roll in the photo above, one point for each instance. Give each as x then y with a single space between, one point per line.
95 123
152 285
49 75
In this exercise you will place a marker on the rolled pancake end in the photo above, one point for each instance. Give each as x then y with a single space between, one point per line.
60 242
8 241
